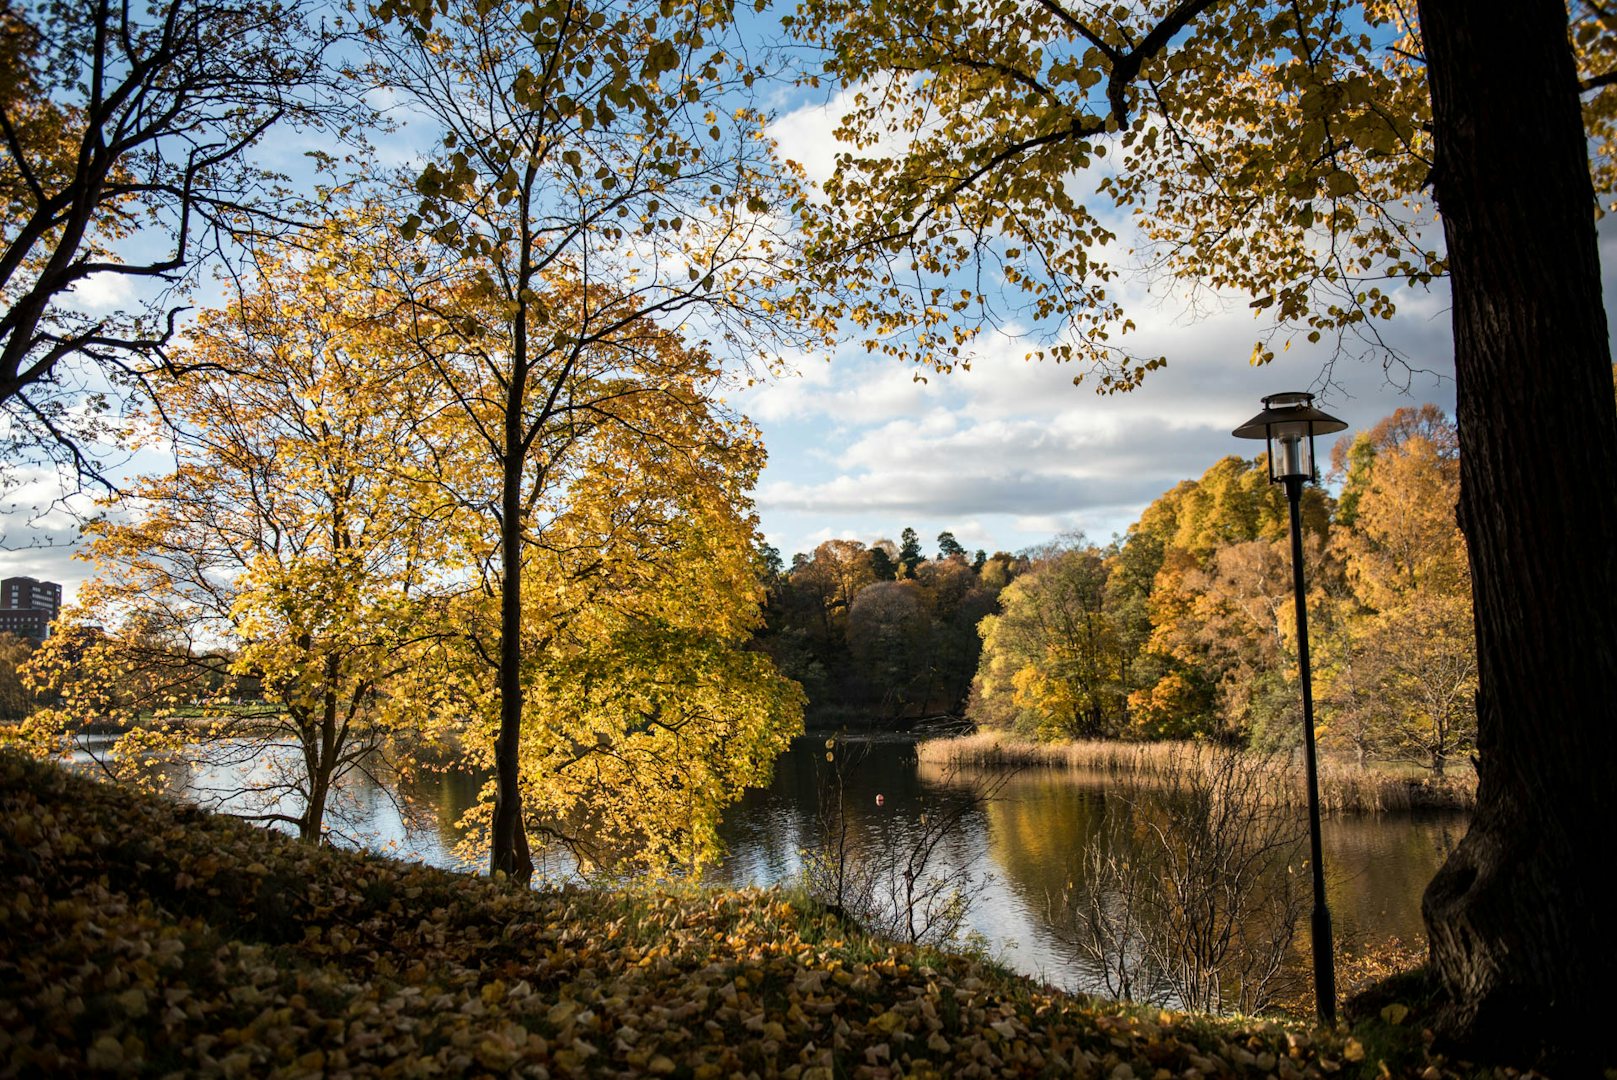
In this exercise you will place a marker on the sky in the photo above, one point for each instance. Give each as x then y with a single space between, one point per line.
1009 454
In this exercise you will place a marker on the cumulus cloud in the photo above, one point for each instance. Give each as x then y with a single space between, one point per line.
1015 448
101 294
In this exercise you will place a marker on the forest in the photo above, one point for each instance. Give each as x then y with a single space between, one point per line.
1181 628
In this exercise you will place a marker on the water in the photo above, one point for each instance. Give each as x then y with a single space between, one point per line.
1018 848
1026 843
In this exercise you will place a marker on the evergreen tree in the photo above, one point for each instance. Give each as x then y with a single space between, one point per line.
909 552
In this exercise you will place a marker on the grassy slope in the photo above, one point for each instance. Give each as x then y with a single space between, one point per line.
141 935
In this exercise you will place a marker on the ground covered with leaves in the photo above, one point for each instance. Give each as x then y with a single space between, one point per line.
140 935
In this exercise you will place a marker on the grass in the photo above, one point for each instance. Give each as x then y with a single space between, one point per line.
1344 788
140 936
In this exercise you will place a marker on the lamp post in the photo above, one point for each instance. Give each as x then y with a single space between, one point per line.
1287 425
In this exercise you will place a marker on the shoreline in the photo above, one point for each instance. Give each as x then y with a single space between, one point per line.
1344 788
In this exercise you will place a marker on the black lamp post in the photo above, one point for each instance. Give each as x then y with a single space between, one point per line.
1287 425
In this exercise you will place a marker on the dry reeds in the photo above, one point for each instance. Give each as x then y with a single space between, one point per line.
1343 787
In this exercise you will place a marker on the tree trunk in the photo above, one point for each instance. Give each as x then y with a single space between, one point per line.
314 815
509 841
1519 918
320 759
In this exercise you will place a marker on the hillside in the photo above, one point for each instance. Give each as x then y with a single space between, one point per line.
141 936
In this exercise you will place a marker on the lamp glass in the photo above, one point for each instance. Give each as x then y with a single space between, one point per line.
1291 453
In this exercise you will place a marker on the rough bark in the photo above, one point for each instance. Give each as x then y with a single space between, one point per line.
1520 917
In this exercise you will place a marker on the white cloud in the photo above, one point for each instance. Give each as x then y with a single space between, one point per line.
101 294
1014 448
807 135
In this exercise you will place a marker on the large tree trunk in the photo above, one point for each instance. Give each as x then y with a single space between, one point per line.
1520 917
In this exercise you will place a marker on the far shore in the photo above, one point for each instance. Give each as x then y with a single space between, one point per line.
1345 788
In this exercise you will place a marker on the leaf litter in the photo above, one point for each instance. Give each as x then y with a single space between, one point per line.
142 936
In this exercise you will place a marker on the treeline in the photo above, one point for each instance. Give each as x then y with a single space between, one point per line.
882 632
1185 627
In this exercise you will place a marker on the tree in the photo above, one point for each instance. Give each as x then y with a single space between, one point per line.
600 187
1051 662
1353 457
646 715
1001 569
280 578
833 578
17 702
1309 133
1200 579
127 157
949 547
889 630
882 564
1407 564
909 552
1231 626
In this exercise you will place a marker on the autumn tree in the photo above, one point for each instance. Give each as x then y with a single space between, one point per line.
1051 662
288 558
129 157
1286 152
889 630
646 713
1406 562
830 579
17 701
957 601
598 179
1205 567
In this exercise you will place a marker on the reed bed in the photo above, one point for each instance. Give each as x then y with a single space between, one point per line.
1344 788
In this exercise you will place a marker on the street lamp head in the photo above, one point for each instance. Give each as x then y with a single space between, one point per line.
1287 425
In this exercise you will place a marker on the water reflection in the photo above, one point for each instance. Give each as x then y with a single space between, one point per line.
1028 843
1024 845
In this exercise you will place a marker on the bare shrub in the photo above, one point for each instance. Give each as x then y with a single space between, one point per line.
1193 898
909 880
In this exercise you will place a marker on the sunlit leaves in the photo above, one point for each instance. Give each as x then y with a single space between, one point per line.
283 572
597 238
1278 151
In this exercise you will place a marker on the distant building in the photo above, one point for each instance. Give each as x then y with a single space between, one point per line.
27 606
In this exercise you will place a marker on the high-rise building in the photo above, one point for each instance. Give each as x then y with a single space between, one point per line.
27 606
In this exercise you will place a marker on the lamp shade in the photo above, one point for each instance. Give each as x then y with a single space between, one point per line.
1290 413
1288 424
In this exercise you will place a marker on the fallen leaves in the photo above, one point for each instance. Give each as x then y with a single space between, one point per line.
198 945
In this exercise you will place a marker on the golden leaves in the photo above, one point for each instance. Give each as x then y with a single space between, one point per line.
364 965
1279 152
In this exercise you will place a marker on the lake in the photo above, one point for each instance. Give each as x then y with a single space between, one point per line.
1018 849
